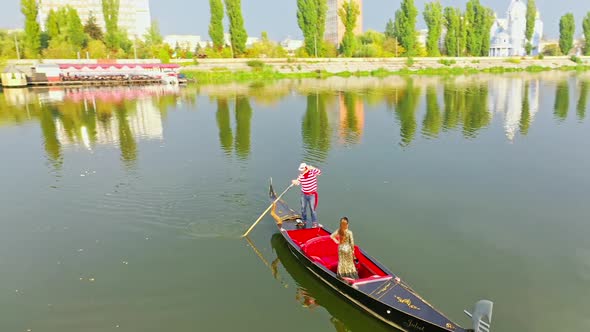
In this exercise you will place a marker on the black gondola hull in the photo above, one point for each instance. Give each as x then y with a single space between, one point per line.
365 302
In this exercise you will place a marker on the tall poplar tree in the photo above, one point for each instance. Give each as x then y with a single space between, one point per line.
531 17
405 26
311 18
30 10
237 32
349 15
567 28
110 11
453 25
433 16
216 24
586 29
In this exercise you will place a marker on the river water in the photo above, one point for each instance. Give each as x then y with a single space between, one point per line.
122 207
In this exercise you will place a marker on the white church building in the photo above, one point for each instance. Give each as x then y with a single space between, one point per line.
508 34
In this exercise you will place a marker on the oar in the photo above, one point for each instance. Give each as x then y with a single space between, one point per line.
265 212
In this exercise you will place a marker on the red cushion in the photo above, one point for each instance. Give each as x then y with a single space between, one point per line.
321 246
322 250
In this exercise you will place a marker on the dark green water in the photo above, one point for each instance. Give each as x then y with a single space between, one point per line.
121 208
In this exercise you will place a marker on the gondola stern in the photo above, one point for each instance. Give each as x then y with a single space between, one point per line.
483 309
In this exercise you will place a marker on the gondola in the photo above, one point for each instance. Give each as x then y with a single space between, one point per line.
378 291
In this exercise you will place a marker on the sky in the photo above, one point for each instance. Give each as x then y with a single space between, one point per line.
278 17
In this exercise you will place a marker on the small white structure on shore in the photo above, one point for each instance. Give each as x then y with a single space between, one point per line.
507 36
12 77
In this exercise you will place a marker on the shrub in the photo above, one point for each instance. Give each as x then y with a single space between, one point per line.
447 62
256 64
576 59
513 60
410 62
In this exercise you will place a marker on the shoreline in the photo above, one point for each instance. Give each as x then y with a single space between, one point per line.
219 71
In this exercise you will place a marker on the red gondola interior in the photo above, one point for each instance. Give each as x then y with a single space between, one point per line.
319 247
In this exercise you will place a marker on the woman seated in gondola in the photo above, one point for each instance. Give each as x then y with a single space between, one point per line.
343 237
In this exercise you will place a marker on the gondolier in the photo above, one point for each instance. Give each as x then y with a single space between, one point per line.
308 179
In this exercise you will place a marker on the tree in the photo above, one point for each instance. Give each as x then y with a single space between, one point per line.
216 24
531 17
551 50
59 49
311 18
96 49
453 25
266 48
92 29
405 26
30 10
477 25
567 28
52 25
76 35
110 11
390 29
586 28
472 20
153 35
237 32
488 21
349 13
433 16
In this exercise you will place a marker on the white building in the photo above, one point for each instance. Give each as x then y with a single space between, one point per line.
249 41
505 99
292 45
134 15
187 42
508 35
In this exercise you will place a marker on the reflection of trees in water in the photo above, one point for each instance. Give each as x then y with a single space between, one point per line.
476 115
583 100
126 139
406 104
226 136
243 124
315 129
243 115
562 100
525 119
466 106
51 142
432 124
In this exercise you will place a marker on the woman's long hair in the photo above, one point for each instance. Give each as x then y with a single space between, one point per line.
341 231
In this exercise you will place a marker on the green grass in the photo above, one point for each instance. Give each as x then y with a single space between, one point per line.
222 75
513 60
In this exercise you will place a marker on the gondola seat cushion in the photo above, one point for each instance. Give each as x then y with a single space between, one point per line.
323 250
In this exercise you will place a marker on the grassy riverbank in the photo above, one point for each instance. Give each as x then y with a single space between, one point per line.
222 75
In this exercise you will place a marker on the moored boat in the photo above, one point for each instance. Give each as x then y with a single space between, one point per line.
378 291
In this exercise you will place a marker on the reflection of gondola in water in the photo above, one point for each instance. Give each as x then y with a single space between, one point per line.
312 293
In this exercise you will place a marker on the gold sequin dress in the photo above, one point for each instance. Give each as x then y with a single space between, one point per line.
346 266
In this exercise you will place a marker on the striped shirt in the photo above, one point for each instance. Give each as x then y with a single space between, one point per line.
309 181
